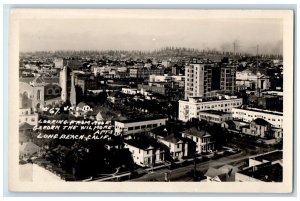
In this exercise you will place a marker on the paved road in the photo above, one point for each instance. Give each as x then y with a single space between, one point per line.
179 174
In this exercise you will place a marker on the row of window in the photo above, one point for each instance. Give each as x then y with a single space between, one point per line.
26 119
142 127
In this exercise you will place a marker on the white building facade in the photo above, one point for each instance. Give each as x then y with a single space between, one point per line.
146 157
249 114
131 127
191 108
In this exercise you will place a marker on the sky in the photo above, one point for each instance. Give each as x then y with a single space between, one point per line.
150 34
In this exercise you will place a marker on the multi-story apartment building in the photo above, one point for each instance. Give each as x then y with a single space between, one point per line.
249 114
227 80
191 108
197 80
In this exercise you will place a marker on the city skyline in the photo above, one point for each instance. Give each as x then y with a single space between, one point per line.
151 34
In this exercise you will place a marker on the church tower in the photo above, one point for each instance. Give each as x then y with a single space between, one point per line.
73 91
63 84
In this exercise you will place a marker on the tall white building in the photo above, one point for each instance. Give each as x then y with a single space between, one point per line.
191 108
197 80
63 84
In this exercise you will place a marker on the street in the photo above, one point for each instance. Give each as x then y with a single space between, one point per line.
179 174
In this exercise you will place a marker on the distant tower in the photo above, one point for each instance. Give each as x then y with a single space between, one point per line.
63 84
73 91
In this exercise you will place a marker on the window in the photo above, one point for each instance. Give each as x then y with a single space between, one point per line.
154 125
137 127
32 120
149 126
178 145
38 94
130 128
144 126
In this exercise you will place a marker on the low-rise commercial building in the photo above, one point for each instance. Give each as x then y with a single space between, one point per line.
249 114
128 127
215 116
192 108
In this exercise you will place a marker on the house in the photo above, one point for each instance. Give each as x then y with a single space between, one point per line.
234 125
177 146
259 127
229 124
144 153
202 139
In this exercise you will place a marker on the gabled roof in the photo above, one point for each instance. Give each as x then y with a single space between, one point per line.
29 147
38 80
25 126
160 131
81 104
230 123
172 139
195 132
260 121
213 172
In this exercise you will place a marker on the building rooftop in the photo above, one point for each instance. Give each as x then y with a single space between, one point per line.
261 110
142 144
261 122
47 80
160 131
271 156
172 139
266 172
25 126
195 132
143 119
216 112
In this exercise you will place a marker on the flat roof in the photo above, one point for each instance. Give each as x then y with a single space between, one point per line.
271 156
142 119
265 172
216 112
262 111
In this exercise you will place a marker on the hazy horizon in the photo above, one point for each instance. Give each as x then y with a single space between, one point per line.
151 34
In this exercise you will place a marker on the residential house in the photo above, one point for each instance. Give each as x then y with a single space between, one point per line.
202 139
144 153
259 127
